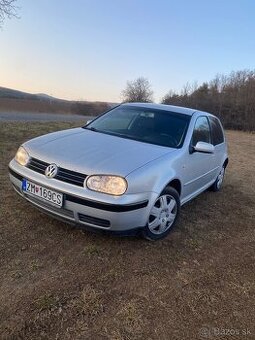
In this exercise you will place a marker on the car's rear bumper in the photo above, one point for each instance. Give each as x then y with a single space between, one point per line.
118 215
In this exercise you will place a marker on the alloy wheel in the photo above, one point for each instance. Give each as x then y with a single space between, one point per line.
163 214
220 178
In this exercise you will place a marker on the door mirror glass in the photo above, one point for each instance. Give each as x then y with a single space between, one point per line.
204 147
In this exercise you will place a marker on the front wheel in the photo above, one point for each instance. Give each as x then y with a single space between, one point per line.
163 215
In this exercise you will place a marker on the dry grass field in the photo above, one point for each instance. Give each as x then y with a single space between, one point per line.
35 106
199 283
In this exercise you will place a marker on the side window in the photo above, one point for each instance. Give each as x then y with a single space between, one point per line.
201 131
216 130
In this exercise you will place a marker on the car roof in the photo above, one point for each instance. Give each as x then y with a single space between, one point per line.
171 108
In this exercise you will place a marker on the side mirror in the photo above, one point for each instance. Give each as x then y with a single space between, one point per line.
204 147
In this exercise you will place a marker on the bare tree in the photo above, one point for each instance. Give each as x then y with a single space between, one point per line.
7 10
138 90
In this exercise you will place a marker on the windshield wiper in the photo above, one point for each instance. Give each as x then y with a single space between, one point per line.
91 128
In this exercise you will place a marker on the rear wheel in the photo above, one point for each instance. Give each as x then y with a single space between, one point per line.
217 185
163 215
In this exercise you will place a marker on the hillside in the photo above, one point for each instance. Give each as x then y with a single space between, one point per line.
19 101
16 94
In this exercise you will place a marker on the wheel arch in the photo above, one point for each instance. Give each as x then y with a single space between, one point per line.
176 184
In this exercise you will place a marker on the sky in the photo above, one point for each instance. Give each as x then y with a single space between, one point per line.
89 49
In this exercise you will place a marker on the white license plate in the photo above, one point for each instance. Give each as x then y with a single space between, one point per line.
49 195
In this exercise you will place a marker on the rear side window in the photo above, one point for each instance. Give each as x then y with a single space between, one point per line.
201 131
216 131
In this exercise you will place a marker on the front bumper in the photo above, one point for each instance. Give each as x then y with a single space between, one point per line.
87 208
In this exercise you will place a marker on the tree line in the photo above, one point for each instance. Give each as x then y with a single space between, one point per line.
230 97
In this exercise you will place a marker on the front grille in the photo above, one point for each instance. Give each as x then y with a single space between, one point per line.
94 220
63 175
37 165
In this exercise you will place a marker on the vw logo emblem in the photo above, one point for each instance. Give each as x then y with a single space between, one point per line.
51 171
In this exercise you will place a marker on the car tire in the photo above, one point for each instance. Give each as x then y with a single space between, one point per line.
217 185
163 215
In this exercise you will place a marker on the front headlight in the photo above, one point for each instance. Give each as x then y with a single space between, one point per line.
113 185
22 156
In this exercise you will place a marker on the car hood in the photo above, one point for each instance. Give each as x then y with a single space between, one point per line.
91 152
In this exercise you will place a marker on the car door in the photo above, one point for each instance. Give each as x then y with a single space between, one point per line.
198 166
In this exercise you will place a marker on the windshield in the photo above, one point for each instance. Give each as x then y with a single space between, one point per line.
153 126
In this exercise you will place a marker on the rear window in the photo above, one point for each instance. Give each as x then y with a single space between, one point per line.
216 131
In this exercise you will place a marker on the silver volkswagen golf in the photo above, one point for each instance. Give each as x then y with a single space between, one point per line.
128 171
